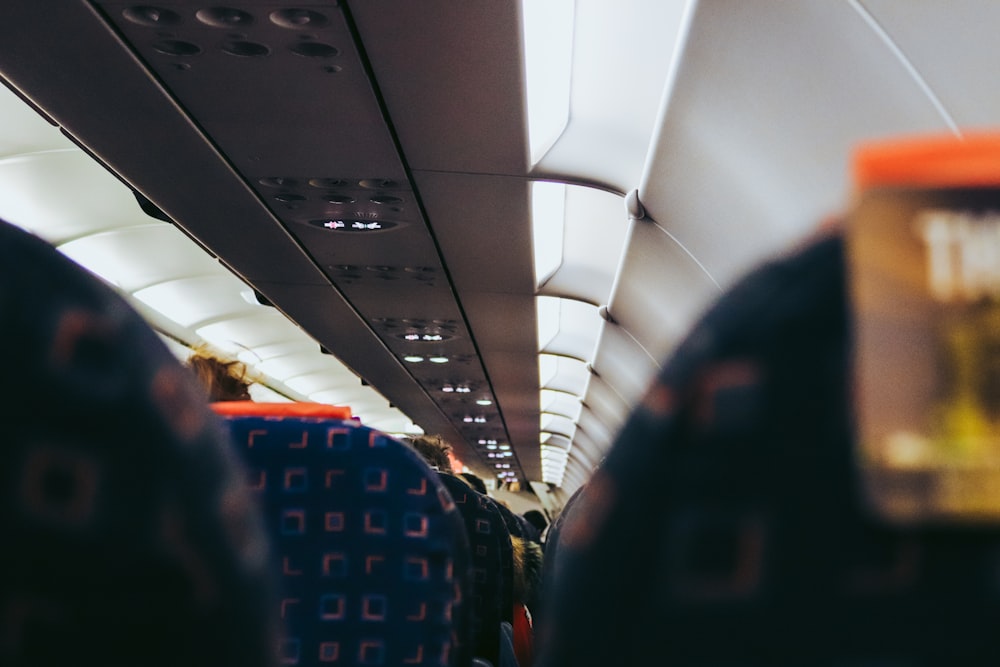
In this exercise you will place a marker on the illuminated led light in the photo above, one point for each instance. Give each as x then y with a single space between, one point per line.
489 446
507 454
499 465
353 226
462 389
413 359
467 420
484 401
504 446
411 337
491 455
432 337
479 420
438 360
447 388
506 465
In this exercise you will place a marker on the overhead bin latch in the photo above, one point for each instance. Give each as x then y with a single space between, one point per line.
634 206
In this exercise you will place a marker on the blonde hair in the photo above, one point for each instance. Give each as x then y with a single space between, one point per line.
222 380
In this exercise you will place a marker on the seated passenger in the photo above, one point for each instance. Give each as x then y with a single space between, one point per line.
128 535
222 380
727 526
492 553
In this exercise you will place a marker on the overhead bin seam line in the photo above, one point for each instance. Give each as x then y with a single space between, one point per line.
887 39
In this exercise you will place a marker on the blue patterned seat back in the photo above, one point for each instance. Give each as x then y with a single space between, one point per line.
492 566
127 534
726 526
373 554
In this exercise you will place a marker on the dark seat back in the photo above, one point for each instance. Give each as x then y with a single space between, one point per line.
492 566
726 526
373 553
128 535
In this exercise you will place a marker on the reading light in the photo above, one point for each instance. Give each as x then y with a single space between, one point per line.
447 389
462 389
413 359
504 446
467 420
484 401
438 360
479 420
489 446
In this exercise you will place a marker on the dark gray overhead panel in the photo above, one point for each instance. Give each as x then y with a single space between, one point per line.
260 129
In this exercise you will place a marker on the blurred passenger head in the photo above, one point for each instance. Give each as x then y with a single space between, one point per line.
222 380
536 519
129 534
434 449
475 482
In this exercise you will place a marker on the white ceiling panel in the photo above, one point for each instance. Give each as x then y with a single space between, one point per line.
613 114
935 37
661 289
594 233
122 256
623 364
752 147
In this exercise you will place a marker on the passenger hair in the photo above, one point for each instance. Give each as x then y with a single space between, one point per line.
527 561
222 380
434 449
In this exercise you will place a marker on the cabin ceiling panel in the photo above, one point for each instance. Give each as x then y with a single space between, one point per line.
615 90
598 434
561 403
451 76
403 251
749 154
964 34
123 257
86 202
237 73
481 225
24 134
661 289
586 451
578 324
575 476
563 374
623 364
605 405
594 231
